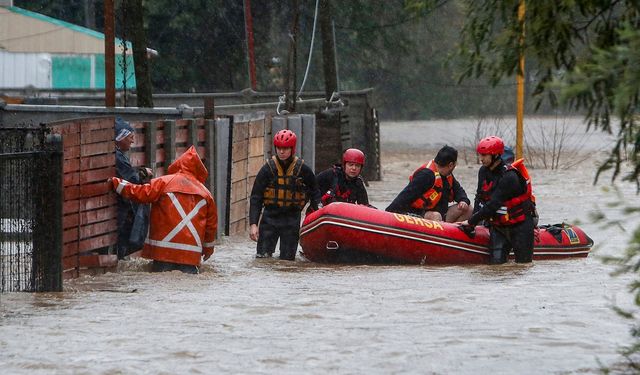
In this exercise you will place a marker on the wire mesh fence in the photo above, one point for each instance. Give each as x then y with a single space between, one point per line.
30 210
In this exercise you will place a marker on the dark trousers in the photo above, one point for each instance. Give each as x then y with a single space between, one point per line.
124 223
276 225
159 266
518 237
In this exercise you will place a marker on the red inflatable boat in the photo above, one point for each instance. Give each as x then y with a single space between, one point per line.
346 233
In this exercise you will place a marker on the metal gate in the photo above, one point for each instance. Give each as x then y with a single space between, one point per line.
30 210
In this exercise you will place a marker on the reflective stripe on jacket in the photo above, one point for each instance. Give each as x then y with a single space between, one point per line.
183 219
431 197
286 188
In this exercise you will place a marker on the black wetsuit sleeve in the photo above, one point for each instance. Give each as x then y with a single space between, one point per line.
257 193
509 186
476 201
422 181
459 195
325 180
311 186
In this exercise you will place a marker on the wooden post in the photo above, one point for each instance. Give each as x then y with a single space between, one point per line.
150 144
192 133
109 55
169 143
248 20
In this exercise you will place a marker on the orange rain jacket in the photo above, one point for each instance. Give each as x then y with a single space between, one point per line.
184 218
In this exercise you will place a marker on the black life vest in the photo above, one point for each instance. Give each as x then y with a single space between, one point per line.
286 188
513 210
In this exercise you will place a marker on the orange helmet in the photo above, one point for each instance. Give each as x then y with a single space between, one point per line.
285 138
491 146
353 155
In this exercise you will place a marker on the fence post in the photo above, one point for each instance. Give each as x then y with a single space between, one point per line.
47 260
150 143
169 143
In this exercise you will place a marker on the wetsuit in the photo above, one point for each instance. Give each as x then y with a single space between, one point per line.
496 188
281 217
336 186
422 181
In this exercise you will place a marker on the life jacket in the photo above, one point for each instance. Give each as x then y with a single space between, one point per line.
286 188
430 198
513 210
339 191
184 217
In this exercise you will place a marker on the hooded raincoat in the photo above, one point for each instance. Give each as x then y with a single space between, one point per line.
184 217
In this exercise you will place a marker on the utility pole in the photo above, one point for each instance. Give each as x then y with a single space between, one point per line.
328 50
109 55
290 80
520 86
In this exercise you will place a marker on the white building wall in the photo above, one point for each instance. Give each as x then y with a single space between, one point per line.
18 70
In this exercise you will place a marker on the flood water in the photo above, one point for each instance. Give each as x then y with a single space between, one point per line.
242 315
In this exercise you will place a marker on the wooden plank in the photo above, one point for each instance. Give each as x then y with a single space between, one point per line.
256 128
254 165
94 216
70 207
240 150
100 201
138 159
238 227
97 260
98 242
91 190
70 274
182 135
240 131
239 191
71 220
98 136
70 140
70 249
70 235
89 231
256 147
239 171
70 179
238 211
96 175
96 149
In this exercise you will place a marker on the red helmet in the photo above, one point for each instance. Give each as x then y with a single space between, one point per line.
285 138
491 146
353 155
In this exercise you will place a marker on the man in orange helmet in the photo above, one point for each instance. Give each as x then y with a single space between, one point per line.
342 182
431 188
504 199
184 217
282 187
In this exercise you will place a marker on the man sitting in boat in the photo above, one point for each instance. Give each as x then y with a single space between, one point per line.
504 199
283 186
431 188
343 183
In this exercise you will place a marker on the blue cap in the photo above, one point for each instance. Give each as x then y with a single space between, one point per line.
122 129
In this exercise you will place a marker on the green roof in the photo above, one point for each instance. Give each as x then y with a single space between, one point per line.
57 22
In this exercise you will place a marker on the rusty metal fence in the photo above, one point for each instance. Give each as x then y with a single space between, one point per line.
30 210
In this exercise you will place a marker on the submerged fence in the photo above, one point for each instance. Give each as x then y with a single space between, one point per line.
30 210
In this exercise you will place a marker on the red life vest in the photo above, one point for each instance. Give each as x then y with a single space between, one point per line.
430 198
513 211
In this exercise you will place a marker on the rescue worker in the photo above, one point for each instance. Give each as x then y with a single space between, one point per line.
342 182
184 217
124 138
282 187
431 188
504 200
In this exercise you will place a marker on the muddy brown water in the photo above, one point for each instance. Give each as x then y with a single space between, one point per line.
242 315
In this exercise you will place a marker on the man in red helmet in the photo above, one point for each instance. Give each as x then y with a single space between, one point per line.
282 187
342 182
504 200
431 189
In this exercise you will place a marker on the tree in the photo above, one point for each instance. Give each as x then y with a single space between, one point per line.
138 36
